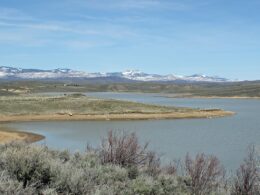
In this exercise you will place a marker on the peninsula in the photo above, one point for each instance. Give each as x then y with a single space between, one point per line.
80 107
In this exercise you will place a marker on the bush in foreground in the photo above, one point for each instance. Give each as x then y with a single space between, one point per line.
31 169
247 179
120 166
205 174
123 150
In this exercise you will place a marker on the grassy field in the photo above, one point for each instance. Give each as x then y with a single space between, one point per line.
80 107
76 104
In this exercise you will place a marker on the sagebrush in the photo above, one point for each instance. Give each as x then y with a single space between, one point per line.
121 166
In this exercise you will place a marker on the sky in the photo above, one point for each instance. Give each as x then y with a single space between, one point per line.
182 37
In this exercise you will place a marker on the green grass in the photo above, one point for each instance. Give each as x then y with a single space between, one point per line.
75 104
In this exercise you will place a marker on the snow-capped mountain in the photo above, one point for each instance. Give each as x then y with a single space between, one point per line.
134 75
141 76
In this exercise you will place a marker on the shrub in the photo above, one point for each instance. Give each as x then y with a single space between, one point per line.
171 185
171 168
72 180
153 163
123 150
144 186
205 174
10 186
133 172
121 166
29 165
247 180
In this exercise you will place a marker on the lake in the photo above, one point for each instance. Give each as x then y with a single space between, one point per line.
227 138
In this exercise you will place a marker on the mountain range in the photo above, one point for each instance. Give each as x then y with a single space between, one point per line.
11 73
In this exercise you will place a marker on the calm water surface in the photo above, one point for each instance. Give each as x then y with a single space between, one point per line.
227 138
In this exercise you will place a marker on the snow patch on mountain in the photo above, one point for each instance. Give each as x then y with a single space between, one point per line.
135 75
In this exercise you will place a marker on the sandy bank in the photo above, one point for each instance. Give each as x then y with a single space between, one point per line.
128 116
7 136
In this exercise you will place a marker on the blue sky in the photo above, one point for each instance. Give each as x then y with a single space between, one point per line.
213 37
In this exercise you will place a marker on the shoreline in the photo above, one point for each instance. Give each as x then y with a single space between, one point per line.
127 116
8 135
210 97
224 97
169 95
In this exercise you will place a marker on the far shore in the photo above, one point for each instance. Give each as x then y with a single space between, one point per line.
169 95
225 97
209 97
124 116
9 135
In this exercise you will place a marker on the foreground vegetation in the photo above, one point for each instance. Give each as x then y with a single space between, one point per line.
119 166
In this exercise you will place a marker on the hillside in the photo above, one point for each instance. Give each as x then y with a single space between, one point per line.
230 89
